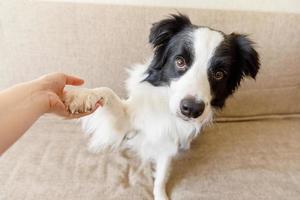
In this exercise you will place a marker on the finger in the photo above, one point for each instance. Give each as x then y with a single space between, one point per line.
73 80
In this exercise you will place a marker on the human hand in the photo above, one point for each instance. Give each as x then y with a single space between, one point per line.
52 90
22 104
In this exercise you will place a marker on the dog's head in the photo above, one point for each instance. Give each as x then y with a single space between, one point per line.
201 66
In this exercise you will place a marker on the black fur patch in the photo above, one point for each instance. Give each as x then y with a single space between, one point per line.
170 38
237 58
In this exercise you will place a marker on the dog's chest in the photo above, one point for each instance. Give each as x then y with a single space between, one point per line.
160 128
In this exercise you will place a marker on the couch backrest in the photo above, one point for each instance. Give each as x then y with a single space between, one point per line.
98 42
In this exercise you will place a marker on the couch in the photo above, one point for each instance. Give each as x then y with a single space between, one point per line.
251 152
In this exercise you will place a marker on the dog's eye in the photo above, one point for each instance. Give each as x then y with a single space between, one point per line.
219 75
180 63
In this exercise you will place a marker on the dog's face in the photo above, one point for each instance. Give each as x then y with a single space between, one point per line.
201 66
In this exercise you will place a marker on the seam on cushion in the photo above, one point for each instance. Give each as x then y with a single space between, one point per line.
257 118
246 90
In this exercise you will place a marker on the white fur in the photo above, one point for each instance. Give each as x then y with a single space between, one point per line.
149 122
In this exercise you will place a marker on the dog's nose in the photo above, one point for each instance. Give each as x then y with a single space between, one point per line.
192 108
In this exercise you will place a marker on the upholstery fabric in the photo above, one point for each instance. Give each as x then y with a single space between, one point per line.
251 152
99 42
233 160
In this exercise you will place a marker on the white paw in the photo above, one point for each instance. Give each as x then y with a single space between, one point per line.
81 100
160 195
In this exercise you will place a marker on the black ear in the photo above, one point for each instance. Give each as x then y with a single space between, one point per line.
162 31
246 57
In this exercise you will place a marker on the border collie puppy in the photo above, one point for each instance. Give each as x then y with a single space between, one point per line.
192 72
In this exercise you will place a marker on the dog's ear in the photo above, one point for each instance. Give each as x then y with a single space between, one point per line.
162 31
245 56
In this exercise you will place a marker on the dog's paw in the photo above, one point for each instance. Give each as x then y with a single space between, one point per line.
81 100
160 193
161 196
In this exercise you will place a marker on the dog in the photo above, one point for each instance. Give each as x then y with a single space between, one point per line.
192 72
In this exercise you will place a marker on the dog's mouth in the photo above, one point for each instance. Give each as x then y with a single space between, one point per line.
181 116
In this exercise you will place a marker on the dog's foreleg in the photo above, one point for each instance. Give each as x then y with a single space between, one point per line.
161 178
109 124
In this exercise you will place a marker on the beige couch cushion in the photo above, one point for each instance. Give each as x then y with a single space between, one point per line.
231 161
98 42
